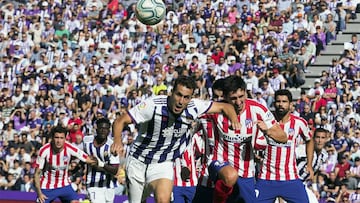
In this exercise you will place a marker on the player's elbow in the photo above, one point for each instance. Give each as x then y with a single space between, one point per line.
283 137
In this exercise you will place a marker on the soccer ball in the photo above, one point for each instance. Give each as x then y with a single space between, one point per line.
150 12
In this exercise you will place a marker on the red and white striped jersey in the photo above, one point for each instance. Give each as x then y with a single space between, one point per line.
235 146
55 166
279 158
188 160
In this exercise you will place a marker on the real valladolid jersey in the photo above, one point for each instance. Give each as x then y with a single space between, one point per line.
163 136
96 178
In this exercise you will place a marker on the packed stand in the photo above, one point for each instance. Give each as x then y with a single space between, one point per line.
72 63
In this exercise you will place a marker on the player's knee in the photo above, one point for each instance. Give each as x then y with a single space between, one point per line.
229 175
162 198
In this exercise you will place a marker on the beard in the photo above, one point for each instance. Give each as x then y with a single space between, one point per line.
281 112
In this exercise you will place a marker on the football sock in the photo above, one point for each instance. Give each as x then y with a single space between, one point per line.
221 192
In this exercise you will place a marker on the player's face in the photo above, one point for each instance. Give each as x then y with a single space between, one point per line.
103 130
180 98
237 99
282 105
59 140
320 140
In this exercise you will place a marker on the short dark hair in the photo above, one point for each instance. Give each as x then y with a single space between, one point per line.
186 81
320 130
102 120
58 129
232 84
284 92
218 84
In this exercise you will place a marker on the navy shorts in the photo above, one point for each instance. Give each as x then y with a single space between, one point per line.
183 194
290 191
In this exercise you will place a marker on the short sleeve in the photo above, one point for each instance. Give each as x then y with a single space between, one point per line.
202 105
143 111
268 117
40 162
76 152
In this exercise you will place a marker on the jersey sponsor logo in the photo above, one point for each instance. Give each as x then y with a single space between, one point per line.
237 138
277 144
58 168
170 131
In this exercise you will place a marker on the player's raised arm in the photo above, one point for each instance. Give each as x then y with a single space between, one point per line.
118 126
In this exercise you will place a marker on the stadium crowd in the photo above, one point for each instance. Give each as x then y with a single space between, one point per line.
71 62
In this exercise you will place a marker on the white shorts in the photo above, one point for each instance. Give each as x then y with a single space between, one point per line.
139 175
101 194
311 196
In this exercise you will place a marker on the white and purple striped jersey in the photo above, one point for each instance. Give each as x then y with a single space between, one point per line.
96 178
318 161
162 135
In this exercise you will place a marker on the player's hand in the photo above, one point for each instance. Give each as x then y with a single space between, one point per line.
235 125
41 198
261 125
310 170
93 161
117 149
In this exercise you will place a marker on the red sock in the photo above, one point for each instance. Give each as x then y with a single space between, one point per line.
221 192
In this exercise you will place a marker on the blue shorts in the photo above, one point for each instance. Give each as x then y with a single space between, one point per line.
290 191
65 194
183 194
244 191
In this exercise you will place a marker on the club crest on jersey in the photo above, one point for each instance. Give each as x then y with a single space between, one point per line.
65 158
291 133
248 123
106 154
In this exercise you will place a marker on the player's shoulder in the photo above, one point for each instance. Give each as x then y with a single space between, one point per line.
88 138
44 148
195 102
298 118
255 104
109 140
158 100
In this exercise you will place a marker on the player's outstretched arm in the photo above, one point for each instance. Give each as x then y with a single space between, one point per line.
118 126
101 166
41 197
228 110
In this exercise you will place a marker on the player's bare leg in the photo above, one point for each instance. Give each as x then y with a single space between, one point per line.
162 190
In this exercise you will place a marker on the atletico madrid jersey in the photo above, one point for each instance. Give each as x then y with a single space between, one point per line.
55 165
279 158
236 146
